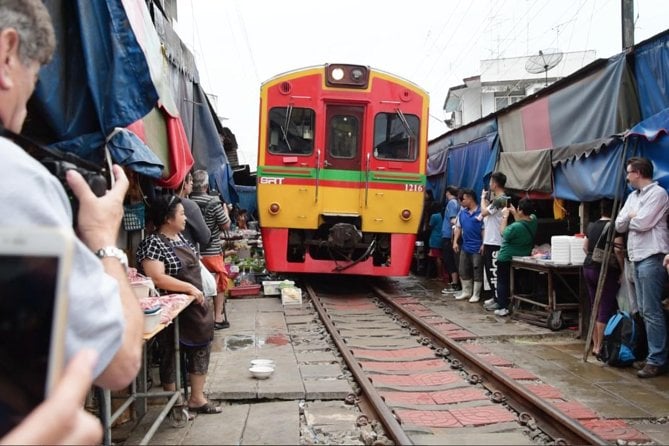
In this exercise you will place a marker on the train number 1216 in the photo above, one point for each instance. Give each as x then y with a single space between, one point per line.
414 187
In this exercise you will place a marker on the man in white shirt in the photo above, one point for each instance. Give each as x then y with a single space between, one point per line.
492 203
103 312
644 216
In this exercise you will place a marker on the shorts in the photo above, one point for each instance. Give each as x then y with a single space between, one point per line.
434 252
216 266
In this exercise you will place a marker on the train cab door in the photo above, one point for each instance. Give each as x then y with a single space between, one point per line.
343 158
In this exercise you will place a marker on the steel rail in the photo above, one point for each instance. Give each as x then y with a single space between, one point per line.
385 416
549 419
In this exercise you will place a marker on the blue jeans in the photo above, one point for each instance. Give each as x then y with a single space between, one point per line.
649 279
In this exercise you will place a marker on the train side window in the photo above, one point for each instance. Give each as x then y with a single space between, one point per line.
344 136
396 136
291 131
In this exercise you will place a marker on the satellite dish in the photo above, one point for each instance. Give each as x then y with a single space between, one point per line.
542 62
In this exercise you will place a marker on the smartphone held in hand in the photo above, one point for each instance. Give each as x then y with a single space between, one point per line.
35 263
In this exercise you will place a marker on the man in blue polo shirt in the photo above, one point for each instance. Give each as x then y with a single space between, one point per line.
469 226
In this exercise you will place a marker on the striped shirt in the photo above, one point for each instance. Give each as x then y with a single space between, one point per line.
214 217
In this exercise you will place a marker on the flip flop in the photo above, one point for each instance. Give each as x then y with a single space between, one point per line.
206 408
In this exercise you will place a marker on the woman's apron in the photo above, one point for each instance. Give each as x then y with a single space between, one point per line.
196 322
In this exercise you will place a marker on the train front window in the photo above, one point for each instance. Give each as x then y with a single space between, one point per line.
396 136
291 130
344 136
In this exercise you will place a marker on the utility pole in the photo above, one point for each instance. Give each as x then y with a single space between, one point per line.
627 15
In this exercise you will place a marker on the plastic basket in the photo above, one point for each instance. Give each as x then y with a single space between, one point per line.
133 217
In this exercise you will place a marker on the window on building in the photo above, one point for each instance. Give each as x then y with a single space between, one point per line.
505 101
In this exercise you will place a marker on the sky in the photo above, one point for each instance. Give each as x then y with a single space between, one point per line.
239 44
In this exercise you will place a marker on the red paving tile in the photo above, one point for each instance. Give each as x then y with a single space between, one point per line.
355 307
377 366
417 398
476 348
422 379
478 416
452 396
545 391
405 300
461 335
429 418
496 360
403 353
516 373
612 430
576 410
446 326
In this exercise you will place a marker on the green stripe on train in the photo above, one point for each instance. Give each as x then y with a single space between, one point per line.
340 175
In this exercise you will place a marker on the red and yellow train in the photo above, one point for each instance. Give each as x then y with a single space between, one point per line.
341 170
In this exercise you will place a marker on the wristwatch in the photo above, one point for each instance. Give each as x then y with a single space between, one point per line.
113 251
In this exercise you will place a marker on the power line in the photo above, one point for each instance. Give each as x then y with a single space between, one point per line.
246 40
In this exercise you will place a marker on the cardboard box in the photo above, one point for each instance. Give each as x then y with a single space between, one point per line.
291 296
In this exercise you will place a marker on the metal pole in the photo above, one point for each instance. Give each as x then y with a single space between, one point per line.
608 252
627 16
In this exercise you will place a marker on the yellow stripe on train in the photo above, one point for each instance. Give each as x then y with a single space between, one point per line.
295 206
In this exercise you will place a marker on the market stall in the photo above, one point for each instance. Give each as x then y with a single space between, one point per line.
160 311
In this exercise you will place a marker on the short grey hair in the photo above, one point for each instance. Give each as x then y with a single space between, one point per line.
32 22
200 181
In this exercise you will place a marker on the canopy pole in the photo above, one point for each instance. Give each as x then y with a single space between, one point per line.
608 251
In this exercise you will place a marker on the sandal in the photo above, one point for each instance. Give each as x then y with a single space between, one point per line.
206 408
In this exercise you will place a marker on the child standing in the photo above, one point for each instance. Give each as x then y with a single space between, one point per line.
434 254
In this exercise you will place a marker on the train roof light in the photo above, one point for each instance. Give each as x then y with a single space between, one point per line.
349 76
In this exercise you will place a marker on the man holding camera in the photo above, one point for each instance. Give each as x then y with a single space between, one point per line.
103 313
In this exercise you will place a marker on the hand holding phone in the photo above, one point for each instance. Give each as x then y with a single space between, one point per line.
61 418
34 268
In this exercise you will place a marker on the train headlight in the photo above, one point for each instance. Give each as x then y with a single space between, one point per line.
274 208
405 215
337 74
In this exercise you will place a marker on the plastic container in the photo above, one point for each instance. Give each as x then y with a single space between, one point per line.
273 287
291 296
248 290
151 320
142 288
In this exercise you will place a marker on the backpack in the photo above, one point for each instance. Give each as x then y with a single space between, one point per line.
620 340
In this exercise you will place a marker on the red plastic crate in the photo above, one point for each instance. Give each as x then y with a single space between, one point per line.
246 290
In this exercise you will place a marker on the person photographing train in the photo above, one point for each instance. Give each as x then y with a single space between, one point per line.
104 316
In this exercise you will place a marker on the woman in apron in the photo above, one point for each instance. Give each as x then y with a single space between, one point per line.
173 265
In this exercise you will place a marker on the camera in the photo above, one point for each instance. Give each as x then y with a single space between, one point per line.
58 163
58 168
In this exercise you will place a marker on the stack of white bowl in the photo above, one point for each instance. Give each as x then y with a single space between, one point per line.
262 368
560 249
577 254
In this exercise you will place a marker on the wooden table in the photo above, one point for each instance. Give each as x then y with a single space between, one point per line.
139 390
549 310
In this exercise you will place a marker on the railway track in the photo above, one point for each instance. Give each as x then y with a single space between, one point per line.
436 383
